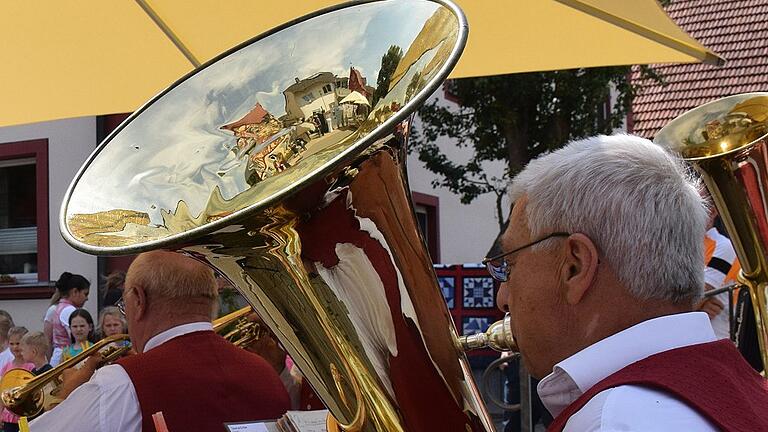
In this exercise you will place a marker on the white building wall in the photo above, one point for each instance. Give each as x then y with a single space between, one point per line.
466 231
69 144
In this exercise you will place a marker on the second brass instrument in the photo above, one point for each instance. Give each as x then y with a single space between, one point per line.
726 140
237 328
28 395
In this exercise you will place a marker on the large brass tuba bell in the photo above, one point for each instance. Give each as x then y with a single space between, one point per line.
281 165
725 140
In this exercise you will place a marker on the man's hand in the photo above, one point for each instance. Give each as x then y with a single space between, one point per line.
711 305
73 378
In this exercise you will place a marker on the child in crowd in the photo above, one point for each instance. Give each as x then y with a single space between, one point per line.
10 420
74 290
33 348
111 322
6 322
81 327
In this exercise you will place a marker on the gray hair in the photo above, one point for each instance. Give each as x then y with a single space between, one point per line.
639 204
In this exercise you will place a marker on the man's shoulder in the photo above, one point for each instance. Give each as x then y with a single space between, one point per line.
193 348
636 408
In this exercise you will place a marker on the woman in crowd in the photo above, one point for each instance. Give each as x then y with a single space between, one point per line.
113 288
81 327
73 289
48 319
111 322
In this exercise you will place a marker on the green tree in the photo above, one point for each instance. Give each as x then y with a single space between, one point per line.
514 118
389 62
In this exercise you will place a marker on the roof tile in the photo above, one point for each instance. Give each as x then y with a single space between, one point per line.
736 30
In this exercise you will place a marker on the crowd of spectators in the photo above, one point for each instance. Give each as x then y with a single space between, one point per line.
66 331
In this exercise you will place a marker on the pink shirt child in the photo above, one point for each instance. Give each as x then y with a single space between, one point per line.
7 416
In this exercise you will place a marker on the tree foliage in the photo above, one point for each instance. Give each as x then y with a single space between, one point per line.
389 62
514 118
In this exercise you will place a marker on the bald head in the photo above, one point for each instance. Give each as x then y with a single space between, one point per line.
172 276
164 290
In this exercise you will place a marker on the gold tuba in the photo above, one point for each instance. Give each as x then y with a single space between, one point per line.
27 395
282 166
725 140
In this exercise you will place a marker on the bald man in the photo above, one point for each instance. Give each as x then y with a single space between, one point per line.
195 378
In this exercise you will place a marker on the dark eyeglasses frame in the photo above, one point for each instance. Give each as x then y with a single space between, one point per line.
496 272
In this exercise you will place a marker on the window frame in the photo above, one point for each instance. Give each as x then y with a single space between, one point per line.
431 204
37 149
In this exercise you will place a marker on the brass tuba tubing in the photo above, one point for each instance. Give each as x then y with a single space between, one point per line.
725 140
32 397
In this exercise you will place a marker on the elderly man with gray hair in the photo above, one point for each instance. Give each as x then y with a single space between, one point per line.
602 265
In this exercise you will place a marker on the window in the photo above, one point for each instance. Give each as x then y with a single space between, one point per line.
23 216
309 97
449 88
18 218
327 88
426 208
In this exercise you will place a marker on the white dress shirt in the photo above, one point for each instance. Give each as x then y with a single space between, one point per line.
108 401
715 278
627 407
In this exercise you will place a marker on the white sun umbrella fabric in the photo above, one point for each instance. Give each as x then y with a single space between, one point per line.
356 98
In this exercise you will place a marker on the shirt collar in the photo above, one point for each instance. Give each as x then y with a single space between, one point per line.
177 331
578 373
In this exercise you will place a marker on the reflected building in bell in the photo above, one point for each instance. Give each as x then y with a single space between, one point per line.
317 98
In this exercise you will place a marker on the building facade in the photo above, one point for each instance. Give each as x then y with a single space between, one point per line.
54 151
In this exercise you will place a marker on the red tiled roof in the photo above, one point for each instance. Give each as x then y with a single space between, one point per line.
255 116
735 29
357 82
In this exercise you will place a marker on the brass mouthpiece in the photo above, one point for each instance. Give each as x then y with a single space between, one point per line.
498 337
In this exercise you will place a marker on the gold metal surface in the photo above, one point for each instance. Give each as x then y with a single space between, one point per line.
27 395
726 140
498 337
237 328
253 165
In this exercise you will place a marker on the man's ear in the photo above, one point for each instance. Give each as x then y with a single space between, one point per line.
580 267
140 297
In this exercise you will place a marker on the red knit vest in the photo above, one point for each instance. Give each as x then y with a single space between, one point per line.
200 381
712 378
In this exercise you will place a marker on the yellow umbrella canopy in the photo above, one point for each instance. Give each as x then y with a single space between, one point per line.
70 59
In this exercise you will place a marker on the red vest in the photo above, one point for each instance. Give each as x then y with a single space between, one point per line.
200 381
712 378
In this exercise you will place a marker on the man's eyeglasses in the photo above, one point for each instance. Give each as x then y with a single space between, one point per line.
498 266
121 306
